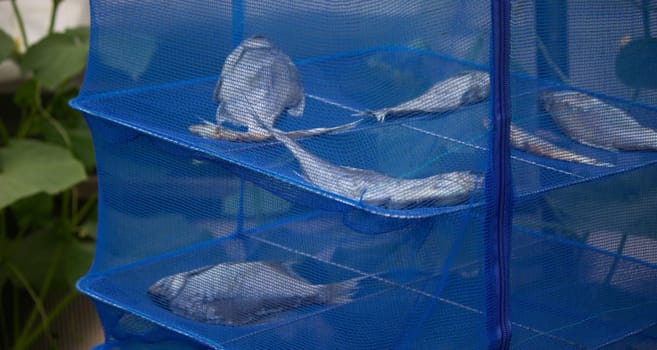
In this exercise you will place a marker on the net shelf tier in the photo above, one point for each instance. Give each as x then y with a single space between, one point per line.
426 301
440 142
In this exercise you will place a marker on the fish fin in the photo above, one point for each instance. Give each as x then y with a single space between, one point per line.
217 132
297 110
302 175
340 292
199 270
471 96
381 115
325 254
222 114
217 89
284 267
207 129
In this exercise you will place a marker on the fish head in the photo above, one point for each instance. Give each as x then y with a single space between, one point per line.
437 190
463 179
455 184
553 100
257 42
547 99
478 87
166 289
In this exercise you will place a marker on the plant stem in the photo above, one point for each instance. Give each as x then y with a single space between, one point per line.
3 227
50 118
24 126
14 311
84 210
53 14
53 314
74 204
37 304
3 320
21 25
66 205
58 126
44 287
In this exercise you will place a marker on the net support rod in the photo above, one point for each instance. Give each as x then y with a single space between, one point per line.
237 21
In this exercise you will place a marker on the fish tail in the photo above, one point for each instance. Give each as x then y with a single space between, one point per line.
651 143
213 131
340 292
380 114
207 129
320 131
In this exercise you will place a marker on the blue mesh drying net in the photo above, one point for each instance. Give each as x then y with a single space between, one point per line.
374 174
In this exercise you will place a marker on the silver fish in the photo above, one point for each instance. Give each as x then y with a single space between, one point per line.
379 189
595 123
465 88
256 76
524 141
214 131
243 293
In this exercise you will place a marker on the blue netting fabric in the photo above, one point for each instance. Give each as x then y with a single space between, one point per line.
294 174
583 257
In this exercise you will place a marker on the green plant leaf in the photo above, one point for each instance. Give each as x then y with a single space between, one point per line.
27 96
31 166
34 254
82 146
7 46
59 108
57 57
77 260
33 212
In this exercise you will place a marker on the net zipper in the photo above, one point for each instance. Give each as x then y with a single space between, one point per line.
499 326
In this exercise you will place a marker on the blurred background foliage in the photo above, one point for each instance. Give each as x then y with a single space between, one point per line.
48 193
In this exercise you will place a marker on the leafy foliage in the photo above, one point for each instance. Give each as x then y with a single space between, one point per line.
57 57
47 222
33 166
7 46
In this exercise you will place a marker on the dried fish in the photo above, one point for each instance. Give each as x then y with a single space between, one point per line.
243 293
465 88
592 122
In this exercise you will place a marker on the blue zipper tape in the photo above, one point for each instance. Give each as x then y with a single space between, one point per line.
498 184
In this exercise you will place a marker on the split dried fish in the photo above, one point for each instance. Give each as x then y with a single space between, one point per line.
257 76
